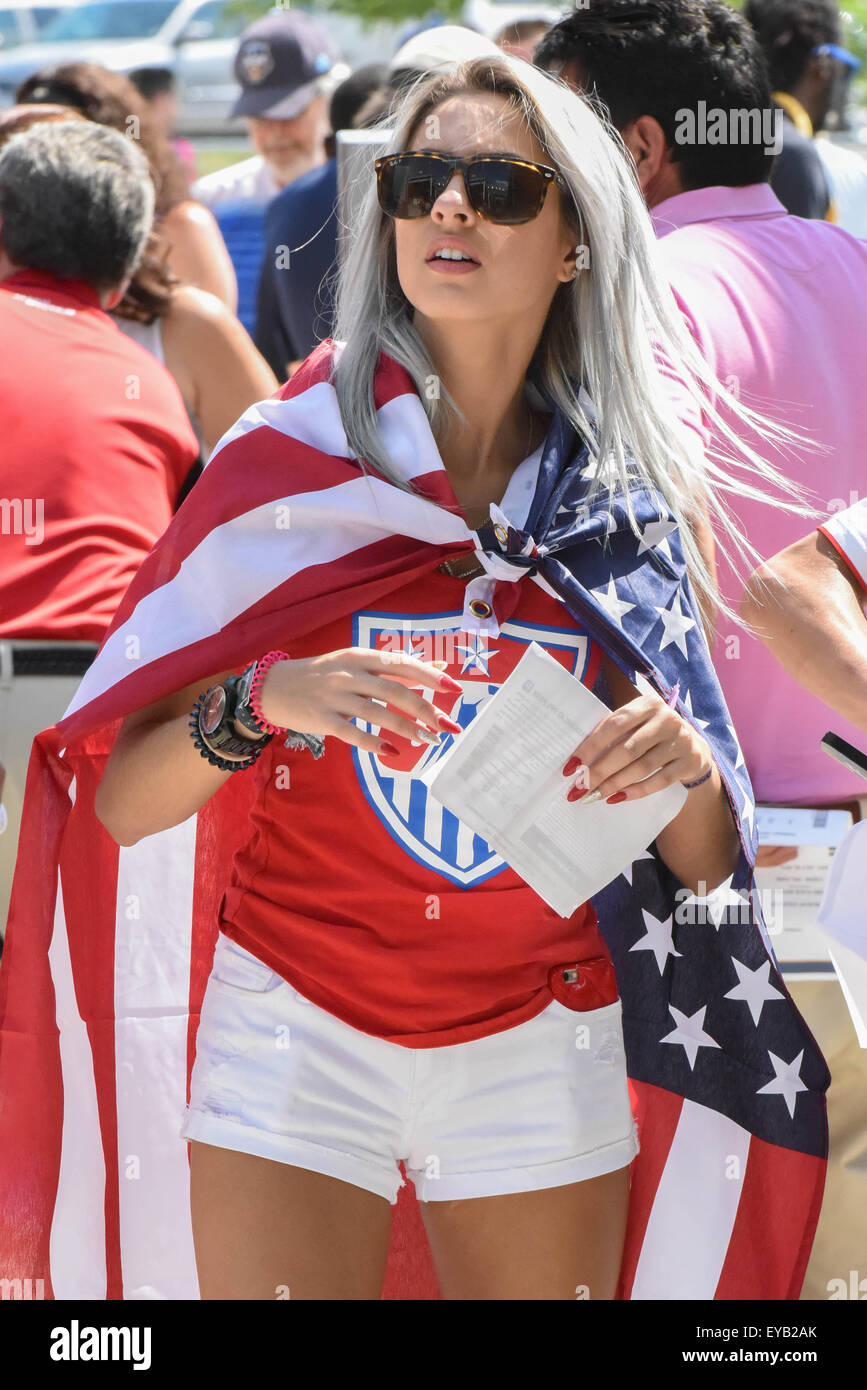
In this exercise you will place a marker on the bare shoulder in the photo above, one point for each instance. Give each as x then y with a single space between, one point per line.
193 306
200 323
189 216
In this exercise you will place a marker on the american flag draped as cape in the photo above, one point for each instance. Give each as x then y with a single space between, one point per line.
108 949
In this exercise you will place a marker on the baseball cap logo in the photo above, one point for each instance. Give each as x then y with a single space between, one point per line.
256 61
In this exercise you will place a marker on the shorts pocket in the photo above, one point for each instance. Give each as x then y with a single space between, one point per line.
595 1034
238 969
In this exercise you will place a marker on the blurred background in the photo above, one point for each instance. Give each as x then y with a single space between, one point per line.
196 41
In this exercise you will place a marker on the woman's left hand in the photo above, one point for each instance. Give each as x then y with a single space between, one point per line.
637 749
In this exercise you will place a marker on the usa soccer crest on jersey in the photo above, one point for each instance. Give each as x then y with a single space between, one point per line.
479 662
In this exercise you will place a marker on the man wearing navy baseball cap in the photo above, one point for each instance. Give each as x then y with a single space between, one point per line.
287 66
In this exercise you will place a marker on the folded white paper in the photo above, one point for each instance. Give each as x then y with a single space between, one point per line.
503 777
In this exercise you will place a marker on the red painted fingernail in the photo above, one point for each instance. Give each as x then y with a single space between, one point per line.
575 792
572 765
388 748
449 725
451 685
618 796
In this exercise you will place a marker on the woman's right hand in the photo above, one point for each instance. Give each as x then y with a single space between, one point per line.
323 694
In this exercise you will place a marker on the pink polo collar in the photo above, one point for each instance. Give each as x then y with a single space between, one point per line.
715 203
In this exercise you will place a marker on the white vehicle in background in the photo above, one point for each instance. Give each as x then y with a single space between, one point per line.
127 34
194 39
22 21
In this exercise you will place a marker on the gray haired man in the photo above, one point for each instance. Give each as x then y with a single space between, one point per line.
96 443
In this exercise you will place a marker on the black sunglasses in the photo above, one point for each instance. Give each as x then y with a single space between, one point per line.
500 188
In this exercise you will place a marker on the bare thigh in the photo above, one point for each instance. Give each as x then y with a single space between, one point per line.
562 1242
266 1230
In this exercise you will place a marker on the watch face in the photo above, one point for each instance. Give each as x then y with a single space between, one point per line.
213 709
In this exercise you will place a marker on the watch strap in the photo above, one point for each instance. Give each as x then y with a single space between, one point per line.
224 740
245 713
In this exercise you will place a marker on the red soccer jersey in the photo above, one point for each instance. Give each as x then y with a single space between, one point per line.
94 446
368 896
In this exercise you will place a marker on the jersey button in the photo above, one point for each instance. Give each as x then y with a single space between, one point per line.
479 608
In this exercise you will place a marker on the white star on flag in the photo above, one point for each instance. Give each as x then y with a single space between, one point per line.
689 1033
687 702
657 939
590 468
740 757
747 813
615 607
610 527
654 535
787 1082
713 905
753 987
627 872
676 624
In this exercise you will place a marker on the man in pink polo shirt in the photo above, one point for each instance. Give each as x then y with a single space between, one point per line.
778 306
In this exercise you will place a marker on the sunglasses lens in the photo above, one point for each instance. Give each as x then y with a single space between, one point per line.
505 192
500 190
410 187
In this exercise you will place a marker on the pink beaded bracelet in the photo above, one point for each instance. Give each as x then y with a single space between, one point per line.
255 688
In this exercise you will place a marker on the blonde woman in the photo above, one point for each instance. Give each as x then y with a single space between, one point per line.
486 455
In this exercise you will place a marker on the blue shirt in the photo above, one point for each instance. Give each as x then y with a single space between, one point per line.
295 305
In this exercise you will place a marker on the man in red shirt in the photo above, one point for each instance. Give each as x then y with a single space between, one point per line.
95 442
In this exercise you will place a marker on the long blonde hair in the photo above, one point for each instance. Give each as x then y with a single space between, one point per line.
610 330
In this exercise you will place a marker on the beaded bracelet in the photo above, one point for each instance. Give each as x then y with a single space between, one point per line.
699 780
255 690
293 740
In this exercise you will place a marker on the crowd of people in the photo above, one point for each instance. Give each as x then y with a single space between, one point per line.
144 310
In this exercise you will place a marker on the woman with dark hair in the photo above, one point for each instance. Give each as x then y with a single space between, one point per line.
195 252
185 325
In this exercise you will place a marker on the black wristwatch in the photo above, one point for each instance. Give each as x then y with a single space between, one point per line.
216 713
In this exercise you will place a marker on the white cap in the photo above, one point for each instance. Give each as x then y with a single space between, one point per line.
441 48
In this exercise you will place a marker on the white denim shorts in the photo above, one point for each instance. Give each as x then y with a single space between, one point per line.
539 1105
